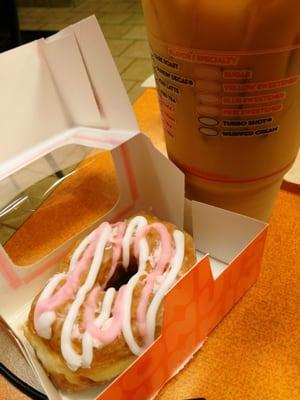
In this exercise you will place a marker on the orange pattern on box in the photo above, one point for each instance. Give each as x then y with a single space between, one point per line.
192 309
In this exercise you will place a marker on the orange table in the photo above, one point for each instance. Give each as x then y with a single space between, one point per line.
254 353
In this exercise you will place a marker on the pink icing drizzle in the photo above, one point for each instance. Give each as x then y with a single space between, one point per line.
165 257
72 282
71 285
108 335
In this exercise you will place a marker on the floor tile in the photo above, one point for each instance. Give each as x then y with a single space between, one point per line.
115 31
137 32
33 173
135 92
31 14
136 8
138 70
113 18
32 21
129 84
8 189
117 7
135 19
18 212
94 4
41 189
15 220
122 63
5 233
138 49
22 11
56 25
81 14
29 26
66 156
118 46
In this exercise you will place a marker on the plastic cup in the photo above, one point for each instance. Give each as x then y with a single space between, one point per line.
228 81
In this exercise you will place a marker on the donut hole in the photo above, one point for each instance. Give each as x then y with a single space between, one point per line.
121 275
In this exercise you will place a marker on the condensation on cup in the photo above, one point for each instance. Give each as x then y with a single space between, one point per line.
228 79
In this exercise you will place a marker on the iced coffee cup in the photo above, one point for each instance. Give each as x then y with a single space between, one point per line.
228 79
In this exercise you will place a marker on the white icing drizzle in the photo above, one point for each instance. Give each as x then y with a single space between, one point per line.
70 329
126 325
87 351
87 341
79 250
167 283
73 359
132 227
106 307
43 324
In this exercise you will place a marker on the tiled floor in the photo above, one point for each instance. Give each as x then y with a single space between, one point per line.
123 26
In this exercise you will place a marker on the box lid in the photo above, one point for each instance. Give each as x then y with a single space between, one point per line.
51 85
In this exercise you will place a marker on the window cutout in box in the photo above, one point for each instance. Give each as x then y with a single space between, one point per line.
54 198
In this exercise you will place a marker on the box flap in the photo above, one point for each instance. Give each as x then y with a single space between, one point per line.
108 88
52 85
31 110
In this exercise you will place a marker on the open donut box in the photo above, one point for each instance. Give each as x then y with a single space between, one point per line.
70 92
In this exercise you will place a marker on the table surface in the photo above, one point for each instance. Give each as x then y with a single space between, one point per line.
252 354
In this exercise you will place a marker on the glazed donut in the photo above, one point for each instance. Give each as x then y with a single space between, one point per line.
104 307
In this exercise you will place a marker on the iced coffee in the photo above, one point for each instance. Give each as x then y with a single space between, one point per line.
228 79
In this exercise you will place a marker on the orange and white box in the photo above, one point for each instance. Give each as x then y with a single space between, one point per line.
66 90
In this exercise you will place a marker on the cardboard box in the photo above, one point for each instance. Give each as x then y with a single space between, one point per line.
67 91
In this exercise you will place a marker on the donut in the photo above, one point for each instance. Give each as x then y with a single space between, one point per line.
105 305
